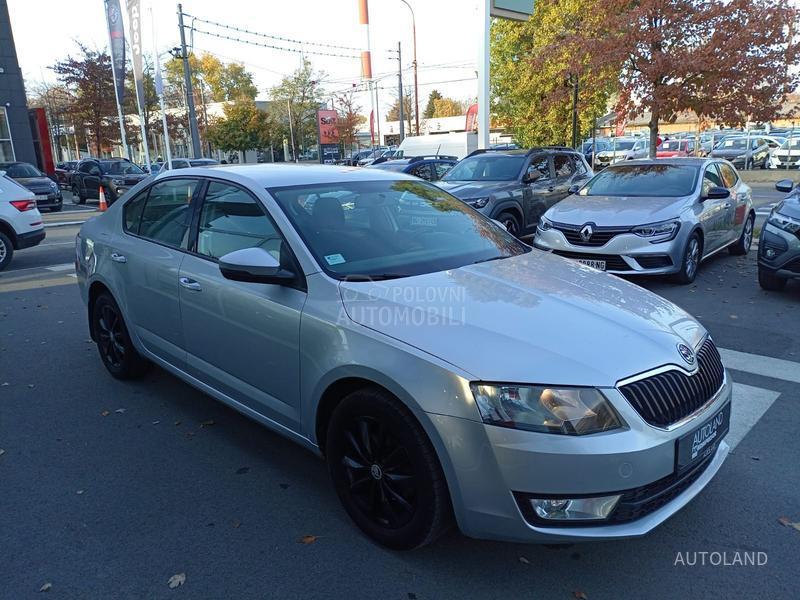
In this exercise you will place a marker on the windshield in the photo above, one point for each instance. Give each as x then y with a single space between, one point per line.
391 166
21 171
391 229
622 145
791 143
674 145
671 181
487 167
120 167
732 144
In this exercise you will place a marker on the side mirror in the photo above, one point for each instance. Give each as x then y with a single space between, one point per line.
784 185
254 265
574 189
718 193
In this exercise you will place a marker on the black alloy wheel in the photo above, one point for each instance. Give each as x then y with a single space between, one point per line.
113 341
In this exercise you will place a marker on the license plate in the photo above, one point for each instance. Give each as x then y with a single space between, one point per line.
702 442
600 265
38 197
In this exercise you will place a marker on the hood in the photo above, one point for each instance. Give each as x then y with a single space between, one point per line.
729 153
612 153
790 207
607 211
36 184
466 190
533 318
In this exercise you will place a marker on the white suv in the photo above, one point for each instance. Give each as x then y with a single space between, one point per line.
20 221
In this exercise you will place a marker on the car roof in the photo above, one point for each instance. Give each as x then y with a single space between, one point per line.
282 174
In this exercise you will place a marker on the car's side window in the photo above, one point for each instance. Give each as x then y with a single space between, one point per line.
423 172
711 179
540 164
167 213
85 167
441 168
729 175
564 166
231 219
132 212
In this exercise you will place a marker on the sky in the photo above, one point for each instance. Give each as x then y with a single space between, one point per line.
46 31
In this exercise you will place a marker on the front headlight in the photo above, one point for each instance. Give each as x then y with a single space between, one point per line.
786 223
658 232
478 202
545 224
118 182
53 185
567 411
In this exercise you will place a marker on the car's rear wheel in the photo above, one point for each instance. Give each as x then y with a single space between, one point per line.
113 341
769 281
77 198
690 263
386 472
6 251
510 222
742 245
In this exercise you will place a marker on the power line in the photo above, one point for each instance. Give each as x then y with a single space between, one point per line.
273 47
273 37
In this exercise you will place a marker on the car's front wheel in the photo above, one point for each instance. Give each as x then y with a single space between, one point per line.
742 245
113 341
386 472
769 281
76 196
510 222
6 251
690 263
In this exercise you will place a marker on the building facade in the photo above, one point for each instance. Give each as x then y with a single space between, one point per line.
16 141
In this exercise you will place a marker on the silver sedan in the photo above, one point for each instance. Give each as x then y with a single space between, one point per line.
445 371
650 217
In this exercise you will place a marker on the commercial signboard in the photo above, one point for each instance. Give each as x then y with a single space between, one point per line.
328 135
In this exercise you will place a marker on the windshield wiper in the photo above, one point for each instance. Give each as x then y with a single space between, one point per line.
358 277
483 260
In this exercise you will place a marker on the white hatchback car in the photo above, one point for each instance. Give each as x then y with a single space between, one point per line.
20 221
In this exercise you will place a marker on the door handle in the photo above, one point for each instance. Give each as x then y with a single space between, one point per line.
551 188
190 284
119 258
727 205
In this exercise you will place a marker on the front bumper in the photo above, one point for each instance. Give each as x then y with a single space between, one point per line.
491 464
786 263
51 200
624 254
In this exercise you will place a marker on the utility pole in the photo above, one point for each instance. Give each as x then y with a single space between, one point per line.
574 82
187 78
414 48
401 100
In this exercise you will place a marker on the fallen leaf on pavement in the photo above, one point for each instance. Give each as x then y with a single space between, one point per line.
120 410
4 384
734 317
176 580
578 595
2 452
31 386
105 413
46 587
79 492
177 423
208 423
156 422
308 539
787 522
237 524
524 560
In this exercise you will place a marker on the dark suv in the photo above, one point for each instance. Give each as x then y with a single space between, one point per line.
430 168
116 175
516 187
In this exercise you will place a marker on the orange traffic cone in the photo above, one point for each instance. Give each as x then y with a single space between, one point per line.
103 203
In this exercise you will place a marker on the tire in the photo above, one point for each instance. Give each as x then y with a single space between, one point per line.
57 208
769 281
113 341
690 260
742 245
6 251
510 221
386 472
76 195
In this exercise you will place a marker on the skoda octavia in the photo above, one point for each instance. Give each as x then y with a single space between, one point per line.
445 372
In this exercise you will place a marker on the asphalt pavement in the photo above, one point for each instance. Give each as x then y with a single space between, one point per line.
108 489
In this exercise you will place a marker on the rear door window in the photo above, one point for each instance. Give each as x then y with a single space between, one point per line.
132 212
564 166
167 214
440 168
729 175
423 172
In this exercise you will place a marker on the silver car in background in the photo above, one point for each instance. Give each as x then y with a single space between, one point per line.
621 149
443 369
652 217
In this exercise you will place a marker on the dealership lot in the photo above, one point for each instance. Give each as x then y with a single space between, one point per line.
116 487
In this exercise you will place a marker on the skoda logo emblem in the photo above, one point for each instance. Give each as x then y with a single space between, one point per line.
586 232
686 353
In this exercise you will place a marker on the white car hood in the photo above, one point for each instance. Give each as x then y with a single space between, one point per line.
534 318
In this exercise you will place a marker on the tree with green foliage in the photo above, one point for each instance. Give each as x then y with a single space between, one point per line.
531 69
244 127
212 80
430 108
301 95
448 107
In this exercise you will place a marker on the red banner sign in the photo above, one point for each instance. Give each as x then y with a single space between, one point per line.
326 122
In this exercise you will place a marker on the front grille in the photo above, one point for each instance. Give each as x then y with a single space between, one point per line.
600 236
654 262
613 262
668 397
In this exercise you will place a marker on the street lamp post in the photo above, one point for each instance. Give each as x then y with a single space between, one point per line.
414 50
